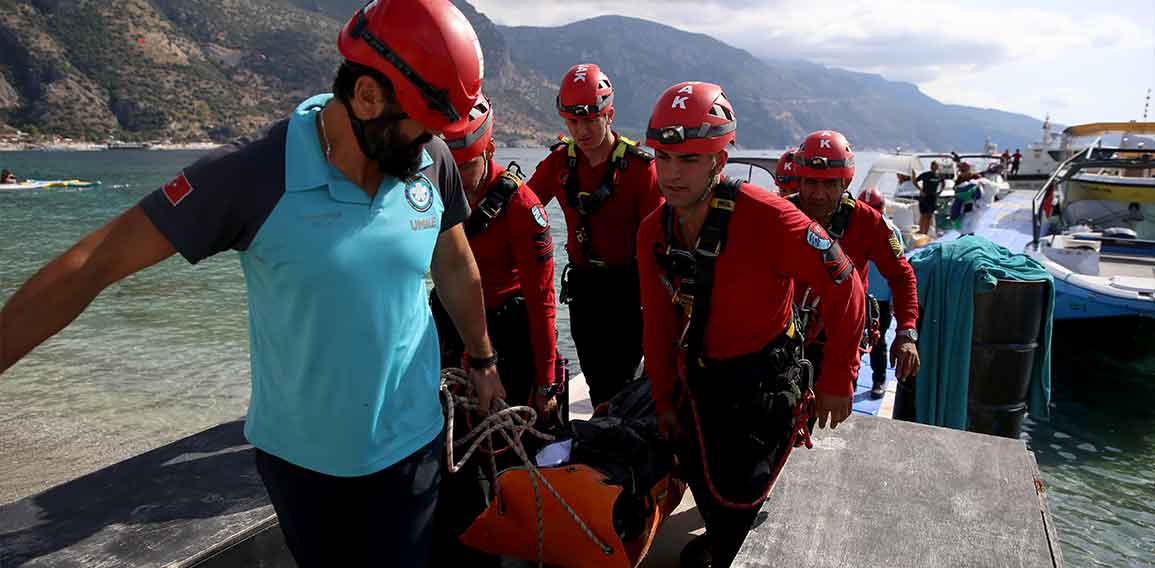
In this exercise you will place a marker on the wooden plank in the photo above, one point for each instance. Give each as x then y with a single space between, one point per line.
878 492
196 502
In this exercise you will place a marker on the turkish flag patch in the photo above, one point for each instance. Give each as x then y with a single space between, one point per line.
177 189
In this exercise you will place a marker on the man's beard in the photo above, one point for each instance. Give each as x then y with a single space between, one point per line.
383 144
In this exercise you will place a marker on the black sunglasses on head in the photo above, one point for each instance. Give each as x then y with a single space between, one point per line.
437 99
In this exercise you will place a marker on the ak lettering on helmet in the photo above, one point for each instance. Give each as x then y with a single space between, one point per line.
585 92
692 117
825 154
785 172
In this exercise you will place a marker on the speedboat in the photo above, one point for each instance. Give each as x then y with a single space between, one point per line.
1094 231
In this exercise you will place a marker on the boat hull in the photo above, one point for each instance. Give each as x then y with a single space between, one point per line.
1078 296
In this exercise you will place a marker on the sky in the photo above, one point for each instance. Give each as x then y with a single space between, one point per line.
1077 61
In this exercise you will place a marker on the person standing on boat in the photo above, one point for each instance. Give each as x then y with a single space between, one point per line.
965 173
927 184
826 169
605 186
721 345
784 174
338 212
508 232
1016 159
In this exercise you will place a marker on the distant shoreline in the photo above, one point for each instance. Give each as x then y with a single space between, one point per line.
95 147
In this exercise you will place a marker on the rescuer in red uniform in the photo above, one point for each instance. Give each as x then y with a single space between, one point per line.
785 174
508 232
825 167
721 347
605 186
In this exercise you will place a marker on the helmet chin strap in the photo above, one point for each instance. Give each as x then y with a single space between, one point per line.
715 177
484 174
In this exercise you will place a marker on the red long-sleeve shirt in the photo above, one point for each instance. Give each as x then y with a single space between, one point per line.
869 238
767 247
515 256
615 225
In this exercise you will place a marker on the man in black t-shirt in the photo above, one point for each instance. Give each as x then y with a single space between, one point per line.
927 184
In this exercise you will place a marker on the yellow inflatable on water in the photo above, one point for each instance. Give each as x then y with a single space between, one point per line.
47 184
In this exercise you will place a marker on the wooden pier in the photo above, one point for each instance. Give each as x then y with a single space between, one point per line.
874 492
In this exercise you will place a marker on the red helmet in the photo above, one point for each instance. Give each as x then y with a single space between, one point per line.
468 139
426 48
692 117
585 91
785 173
873 198
825 154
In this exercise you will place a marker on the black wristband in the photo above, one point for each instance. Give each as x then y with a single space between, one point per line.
479 363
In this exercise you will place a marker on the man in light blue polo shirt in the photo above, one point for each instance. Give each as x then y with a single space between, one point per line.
339 212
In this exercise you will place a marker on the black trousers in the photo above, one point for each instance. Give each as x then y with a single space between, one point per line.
746 411
878 353
383 519
605 313
508 327
466 494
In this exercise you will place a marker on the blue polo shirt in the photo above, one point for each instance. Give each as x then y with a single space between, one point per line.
344 353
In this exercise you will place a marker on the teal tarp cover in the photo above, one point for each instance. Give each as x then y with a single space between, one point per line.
949 274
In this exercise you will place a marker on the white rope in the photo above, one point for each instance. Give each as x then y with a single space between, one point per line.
510 422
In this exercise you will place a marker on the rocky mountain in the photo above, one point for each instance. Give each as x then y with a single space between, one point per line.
777 101
215 69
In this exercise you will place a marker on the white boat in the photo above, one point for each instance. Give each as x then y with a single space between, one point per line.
1042 158
1094 229
1091 225
1039 160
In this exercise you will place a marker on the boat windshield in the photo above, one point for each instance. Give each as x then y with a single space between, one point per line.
1119 193
758 171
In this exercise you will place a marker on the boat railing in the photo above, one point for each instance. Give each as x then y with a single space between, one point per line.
1064 171
1094 156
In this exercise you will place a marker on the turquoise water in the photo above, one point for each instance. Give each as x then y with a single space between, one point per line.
165 353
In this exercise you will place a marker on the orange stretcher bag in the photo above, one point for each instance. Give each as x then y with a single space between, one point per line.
618 489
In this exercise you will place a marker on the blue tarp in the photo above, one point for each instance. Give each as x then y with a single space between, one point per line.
949 274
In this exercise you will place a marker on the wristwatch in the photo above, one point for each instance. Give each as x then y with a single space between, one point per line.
478 363
545 391
908 333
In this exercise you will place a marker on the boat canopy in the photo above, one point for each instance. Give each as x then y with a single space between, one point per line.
891 164
1097 128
